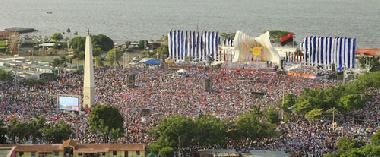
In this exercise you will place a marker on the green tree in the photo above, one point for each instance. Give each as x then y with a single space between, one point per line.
249 126
101 43
348 147
175 131
162 52
302 106
78 43
5 75
362 62
330 155
57 133
115 134
98 61
142 44
159 144
104 42
345 144
57 62
368 150
376 138
36 126
209 130
3 132
18 129
113 56
166 152
288 102
81 55
56 37
105 119
351 101
12 129
97 51
314 114
272 116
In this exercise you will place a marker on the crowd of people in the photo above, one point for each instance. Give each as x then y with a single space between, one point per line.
159 93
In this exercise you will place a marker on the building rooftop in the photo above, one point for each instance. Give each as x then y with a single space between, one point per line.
83 148
368 51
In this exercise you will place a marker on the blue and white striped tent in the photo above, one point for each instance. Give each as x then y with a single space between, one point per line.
228 42
193 44
328 51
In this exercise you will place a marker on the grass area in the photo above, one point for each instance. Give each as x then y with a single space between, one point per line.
3 44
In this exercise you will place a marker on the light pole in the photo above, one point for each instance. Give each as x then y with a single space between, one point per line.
333 120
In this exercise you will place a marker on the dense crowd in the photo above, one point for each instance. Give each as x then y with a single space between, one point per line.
160 93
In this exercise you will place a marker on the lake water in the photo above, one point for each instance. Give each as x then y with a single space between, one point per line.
149 19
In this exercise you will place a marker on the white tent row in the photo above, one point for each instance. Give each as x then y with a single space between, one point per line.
329 51
203 45
193 44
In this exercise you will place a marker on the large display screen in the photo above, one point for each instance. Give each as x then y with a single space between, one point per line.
70 103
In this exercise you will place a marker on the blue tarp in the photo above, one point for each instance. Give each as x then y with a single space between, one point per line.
152 61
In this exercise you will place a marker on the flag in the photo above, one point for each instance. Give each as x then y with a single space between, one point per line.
286 37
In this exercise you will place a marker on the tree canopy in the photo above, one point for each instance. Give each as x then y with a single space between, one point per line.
209 131
344 97
176 132
34 130
5 75
102 41
56 37
250 125
78 43
162 52
101 44
348 147
58 132
113 56
107 121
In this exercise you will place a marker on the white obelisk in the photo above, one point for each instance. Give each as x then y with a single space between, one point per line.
88 79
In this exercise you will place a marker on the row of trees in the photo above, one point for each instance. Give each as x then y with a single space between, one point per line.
178 132
348 147
313 103
103 120
36 129
101 44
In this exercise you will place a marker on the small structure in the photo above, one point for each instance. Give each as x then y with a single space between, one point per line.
152 45
20 30
46 45
368 52
44 69
218 153
72 149
268 153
